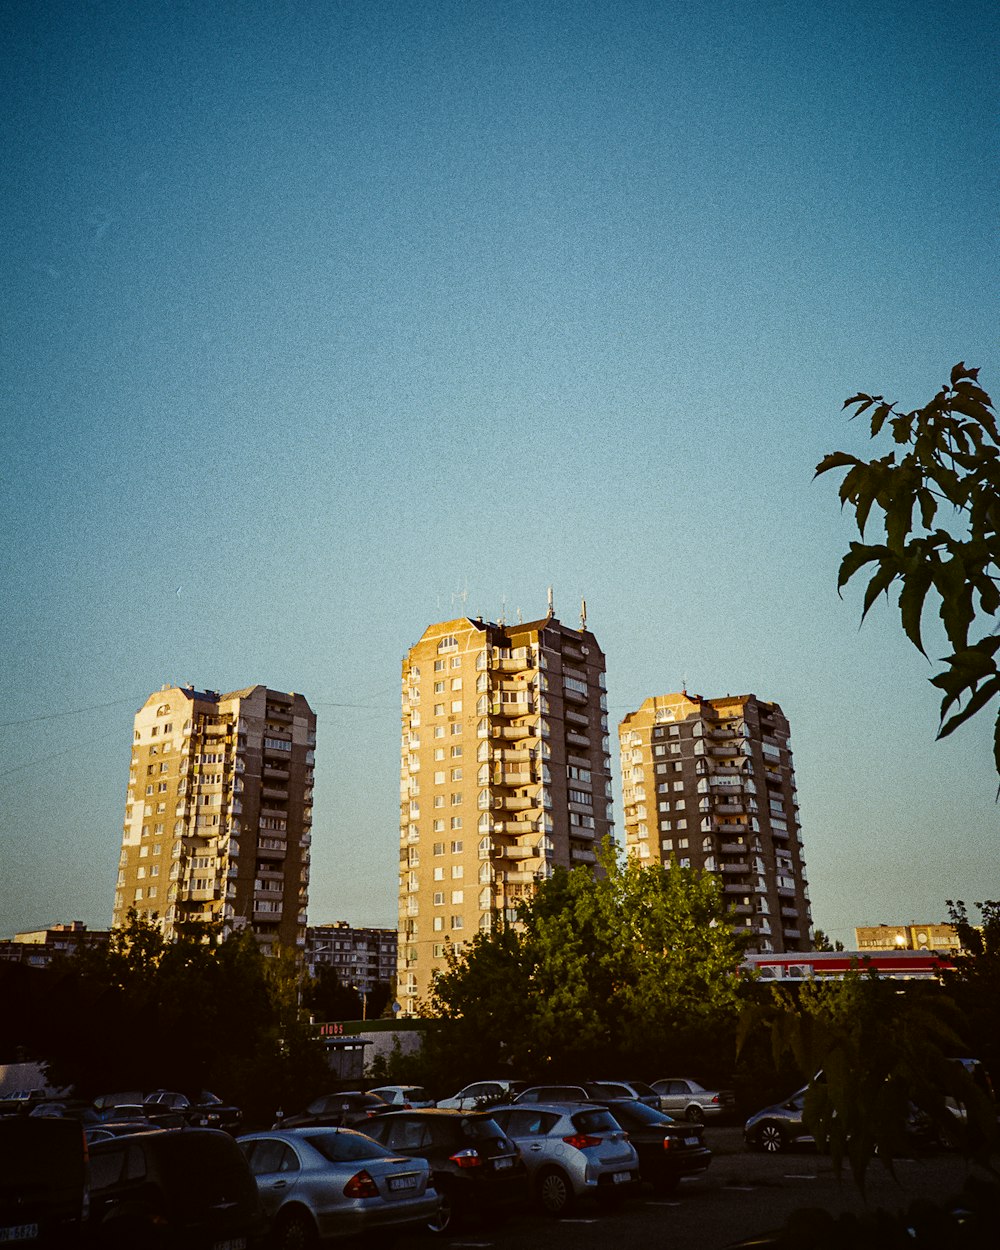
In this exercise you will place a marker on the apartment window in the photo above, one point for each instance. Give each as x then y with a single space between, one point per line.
438 826
439 731
456 798
667 844
438 926
685 862
448 643
457 870
438 848
682 843
439 687
439 778
439 709
456 661
439 898
456 752
678 785
439 800
680 805
161 788
438 754
457 896
456 823
456 774
439 873
456 683
439 666
456 729
457 922
682 824
456 705
456 846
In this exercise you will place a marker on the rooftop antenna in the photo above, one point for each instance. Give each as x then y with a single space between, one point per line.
583 613
520 618
551 602
503 610
462 595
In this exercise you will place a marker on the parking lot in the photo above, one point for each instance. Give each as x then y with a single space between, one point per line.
742 1193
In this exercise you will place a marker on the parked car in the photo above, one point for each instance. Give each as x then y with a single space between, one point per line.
683 1098
481 1094
188 1189
43 1181
779 1127
587 1091
476 1167
403 1097
118 1128
346 1110
205 1111
322 1184
571 1152
668 1149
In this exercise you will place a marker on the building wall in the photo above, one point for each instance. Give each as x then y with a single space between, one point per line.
362 957
907 937
505 774
709 783
219 812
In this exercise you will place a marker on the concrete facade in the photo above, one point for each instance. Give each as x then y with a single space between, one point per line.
505 774
709 784
218 816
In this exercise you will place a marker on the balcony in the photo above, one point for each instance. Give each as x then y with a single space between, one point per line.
577 740
734 867
517 826
723 827
733 848
575 696
582 855
271 792
512 664
516 877
729 809
519 852
512 733
515 802
514 779
576 718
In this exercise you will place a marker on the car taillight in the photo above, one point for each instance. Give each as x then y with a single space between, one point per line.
467 1158
668 1143
361 1185
582 1140
716 1098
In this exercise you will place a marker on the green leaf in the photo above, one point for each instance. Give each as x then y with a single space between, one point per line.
856 558
835 460
976 703
880 583
928 506
911 603
879 416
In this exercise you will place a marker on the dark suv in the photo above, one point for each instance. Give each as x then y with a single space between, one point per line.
43 1181
188 1189
476 1168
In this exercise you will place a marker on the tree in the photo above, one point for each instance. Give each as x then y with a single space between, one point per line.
951 457
871 1051
625 969
974 981
822 943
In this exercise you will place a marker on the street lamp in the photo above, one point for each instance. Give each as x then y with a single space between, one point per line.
364 1000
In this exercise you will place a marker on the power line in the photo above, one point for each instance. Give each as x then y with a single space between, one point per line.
94 707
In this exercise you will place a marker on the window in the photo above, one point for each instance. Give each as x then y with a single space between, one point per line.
456 661
439 873
456 823
456 847
439 666
439 687
439 800
439 778
457 871
456 729
439 898
456 705
457 922
678 785
456 751
456 798
438 754
438 923
457 896
456 774
438 848
438 828
448 643
439 709
439 731
456 683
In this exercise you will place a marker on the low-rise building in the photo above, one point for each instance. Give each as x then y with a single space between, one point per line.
362 958
38 947
907 937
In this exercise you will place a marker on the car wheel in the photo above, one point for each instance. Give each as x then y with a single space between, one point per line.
444 1218
771 1138
695 1114
555 1194
296 1232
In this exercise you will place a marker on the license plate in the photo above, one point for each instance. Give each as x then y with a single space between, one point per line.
692 1141
19 1232
622 1178
234 1243
402 1182
503 1163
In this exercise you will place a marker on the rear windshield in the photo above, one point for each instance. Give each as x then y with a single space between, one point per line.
638 1113
480 1127
200 1169
642 1088
346 1147
595 1120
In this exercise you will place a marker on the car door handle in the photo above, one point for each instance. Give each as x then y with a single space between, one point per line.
280 1185
535 1146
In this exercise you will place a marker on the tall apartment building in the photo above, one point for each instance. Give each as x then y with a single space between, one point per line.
505 774
219 812
710 783
362 957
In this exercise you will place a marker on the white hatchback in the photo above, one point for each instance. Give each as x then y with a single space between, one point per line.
404 1097
571 1150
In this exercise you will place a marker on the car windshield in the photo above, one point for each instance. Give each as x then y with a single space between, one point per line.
346 1147
638 1113
481 1127
595 1120
641 1087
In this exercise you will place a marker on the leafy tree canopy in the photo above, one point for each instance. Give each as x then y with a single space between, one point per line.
600 970
939 498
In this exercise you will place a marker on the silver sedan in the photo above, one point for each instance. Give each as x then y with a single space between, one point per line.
318 1185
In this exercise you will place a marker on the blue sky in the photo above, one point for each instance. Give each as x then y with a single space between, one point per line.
318 314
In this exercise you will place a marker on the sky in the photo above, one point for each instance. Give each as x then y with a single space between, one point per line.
327 321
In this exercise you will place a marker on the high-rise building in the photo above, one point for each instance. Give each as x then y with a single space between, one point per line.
219 812
505 774
362 958
709 783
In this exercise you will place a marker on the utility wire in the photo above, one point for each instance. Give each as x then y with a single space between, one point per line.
94 707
